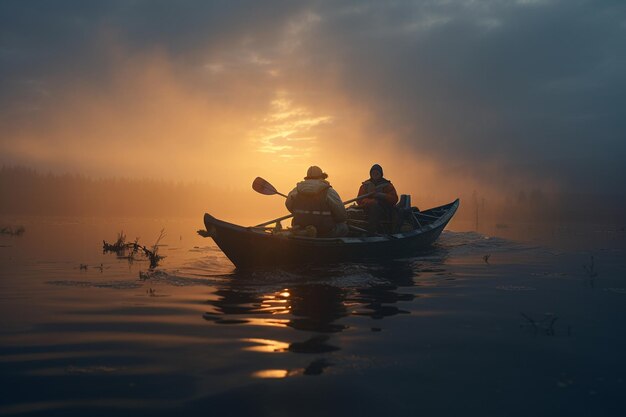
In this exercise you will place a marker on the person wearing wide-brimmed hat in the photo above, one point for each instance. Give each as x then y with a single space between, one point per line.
314 203
379 206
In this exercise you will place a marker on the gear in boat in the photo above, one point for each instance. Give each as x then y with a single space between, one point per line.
269 246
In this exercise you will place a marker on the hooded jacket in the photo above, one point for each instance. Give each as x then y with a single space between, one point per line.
381 186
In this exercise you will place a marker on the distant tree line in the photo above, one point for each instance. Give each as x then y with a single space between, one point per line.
537 206
24 191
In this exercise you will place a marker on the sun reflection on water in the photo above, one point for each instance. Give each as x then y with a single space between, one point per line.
266 345
267 322
271 373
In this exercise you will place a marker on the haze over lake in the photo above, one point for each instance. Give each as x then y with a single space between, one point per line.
133 119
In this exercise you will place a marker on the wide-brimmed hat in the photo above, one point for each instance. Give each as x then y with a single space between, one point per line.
315 173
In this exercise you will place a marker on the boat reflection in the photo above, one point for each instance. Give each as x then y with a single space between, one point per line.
317 308
376 300
317 301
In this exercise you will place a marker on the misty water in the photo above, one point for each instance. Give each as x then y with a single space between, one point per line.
513 321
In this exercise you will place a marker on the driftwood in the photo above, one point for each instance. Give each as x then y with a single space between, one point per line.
543 325
129 250
12 231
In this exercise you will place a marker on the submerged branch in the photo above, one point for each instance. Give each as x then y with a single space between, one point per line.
121 247
543 325
12 231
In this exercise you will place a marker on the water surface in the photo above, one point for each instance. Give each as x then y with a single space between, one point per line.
479 325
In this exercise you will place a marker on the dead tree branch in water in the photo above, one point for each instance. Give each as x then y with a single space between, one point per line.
121 248
544 325
153 255
11 231
591 272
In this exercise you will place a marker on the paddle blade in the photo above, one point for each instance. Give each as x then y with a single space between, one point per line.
261 186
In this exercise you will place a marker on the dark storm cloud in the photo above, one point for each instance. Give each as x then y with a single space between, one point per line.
537 86
532 87
39 39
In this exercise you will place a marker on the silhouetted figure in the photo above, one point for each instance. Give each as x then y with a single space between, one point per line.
314 203
379 207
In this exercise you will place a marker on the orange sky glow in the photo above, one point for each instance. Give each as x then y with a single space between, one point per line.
251 116
147 124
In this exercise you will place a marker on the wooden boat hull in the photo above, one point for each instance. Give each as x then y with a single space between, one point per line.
247 247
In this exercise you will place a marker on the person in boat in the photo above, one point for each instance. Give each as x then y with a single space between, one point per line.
380 205
314 202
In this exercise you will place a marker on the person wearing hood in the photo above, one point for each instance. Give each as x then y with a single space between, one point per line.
314 202
380 205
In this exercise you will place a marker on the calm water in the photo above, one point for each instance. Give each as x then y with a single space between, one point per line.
527 332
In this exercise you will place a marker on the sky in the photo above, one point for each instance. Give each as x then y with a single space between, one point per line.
447 95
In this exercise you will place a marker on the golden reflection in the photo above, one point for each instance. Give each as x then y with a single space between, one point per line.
271 373
271 309
282 310
277 303
268 322
273 301
266 345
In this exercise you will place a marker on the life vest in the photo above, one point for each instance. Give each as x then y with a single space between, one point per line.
370 187
312 209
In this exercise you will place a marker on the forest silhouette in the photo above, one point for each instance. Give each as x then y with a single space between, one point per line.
25 191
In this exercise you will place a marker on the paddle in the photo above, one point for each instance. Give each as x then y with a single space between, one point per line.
262 186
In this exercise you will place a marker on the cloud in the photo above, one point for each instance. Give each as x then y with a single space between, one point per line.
533 90
502 92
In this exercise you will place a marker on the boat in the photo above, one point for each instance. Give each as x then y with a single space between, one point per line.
252 247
